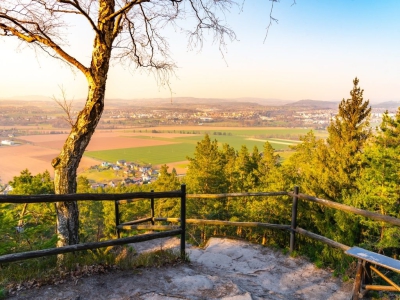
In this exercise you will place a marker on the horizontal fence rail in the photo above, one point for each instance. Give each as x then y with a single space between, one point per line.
86 246
148 227
343 207
86 197
322 239
226 223
216 196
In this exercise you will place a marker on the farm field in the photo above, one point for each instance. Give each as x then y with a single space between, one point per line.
14 159
182 142
168 145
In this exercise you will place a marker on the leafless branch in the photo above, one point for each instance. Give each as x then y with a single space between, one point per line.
124 9
35 24
76 5
66 106
271 18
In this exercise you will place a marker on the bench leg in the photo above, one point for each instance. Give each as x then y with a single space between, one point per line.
367 276
358 280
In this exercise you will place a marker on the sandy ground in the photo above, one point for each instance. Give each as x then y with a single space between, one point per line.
224 269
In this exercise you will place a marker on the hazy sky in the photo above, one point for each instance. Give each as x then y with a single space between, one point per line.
314 52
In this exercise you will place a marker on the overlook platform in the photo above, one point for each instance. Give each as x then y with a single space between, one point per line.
224 269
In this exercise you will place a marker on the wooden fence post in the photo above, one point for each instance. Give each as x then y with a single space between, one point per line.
183 220
294 219
117 218
152 208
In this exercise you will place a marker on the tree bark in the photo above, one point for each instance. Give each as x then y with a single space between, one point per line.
66 163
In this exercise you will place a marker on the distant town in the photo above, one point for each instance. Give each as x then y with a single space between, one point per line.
48 117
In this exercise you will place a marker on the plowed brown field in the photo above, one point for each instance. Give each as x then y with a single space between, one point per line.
37 154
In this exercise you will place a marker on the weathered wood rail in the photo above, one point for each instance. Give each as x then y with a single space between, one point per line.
172 231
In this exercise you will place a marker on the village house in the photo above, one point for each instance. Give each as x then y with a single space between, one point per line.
121 162
7 142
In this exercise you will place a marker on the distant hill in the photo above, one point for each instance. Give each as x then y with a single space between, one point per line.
316 104
27 98
194 100
387 105
264 101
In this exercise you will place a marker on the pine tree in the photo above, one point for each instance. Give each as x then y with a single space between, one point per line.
244 169
167 182
267 166
205 171
228 155
348 133
32 223
205 175
379 185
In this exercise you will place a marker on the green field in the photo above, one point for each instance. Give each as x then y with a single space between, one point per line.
154 155
280 139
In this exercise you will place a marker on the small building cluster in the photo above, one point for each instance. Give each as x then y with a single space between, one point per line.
132 173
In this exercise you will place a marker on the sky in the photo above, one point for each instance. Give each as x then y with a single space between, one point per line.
314 52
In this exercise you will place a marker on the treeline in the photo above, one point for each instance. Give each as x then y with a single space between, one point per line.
353 165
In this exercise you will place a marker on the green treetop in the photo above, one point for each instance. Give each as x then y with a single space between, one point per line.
348 133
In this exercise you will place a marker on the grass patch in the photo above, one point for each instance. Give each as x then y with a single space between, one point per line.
103 175
154 155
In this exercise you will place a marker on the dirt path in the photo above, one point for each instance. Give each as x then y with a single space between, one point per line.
225 269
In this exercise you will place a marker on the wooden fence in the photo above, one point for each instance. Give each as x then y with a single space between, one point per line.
181 230
120 199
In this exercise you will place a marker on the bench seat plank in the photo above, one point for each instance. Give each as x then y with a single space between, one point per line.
375 258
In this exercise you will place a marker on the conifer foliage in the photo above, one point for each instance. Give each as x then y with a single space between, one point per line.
348 133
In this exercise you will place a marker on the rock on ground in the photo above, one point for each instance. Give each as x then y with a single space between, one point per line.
225 269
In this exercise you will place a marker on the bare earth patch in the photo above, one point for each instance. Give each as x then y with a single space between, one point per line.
100 141
36 159
37 154
225 269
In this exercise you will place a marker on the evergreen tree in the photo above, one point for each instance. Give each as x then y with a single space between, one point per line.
306 168
83 185
27 184
205 171
32 223
348 133
379 185
228 155
244 169
267 166
205 175
166 181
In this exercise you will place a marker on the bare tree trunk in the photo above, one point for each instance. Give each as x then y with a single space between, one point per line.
66 164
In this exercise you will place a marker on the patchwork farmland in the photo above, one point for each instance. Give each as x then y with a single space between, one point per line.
160 145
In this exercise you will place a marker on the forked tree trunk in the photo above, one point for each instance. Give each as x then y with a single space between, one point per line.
66 164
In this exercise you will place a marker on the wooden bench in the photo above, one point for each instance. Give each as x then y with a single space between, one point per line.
363 280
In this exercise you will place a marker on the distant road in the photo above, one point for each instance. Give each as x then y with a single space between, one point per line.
273 141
